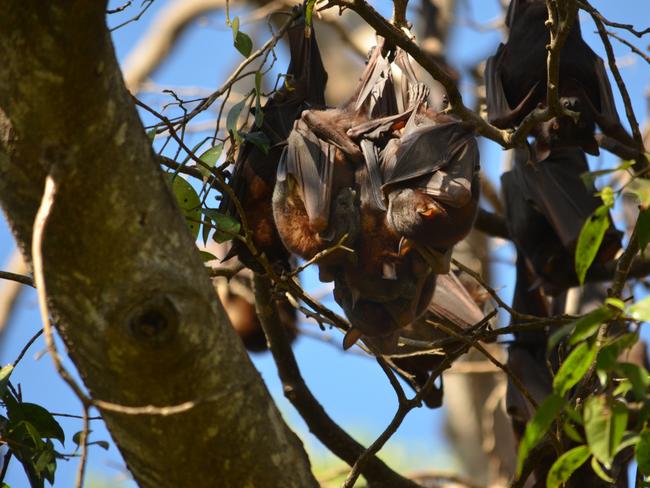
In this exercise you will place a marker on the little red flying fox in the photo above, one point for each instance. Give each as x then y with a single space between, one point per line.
516 83
254 174
547 204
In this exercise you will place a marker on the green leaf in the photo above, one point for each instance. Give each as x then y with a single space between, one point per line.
233 117
589 177
587 326
574 368
642 452
210 158
598 469
242 41
259 139
189 202
608 355
76 438
607 196
39 418
616 303
591 236
640 310
571 432
227 227
643 230
605 425
566 465
638 377
103 444
560 334
538 426
207 256
640 187
5 373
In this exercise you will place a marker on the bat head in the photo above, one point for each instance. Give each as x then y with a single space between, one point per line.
565 131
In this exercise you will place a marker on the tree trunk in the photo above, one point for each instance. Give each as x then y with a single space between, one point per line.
125 286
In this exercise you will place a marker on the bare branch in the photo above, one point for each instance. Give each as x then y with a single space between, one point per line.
295 389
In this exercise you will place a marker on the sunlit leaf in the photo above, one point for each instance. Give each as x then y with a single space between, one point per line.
589 177
5 373
608 355
640 310
574 368
189 202
591 236
642 452
587 326
605 424
640 187
598 469
607 196
538 426
227 227
638 377
566 465
571 432
210 158
243 42
233 117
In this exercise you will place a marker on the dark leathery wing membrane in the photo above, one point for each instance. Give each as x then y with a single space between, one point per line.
254 172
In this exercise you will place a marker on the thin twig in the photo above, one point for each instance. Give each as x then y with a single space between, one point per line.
25 280
26 347
319 422
611 59
632 47
83 442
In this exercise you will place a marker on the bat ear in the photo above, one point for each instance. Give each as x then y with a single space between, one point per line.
351 337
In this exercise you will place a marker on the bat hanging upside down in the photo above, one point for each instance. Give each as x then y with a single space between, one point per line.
383 183
254 174
516 83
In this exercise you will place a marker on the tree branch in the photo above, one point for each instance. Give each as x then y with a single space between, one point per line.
125 286
319 422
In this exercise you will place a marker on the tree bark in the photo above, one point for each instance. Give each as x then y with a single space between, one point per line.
125 286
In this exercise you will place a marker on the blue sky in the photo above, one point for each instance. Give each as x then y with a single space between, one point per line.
352 388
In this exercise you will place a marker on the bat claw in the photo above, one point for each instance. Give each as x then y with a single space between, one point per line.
404 247
351 337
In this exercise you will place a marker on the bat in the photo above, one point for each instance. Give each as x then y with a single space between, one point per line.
516 82
547 205
254 174
450 304
431 174
238 300
318 172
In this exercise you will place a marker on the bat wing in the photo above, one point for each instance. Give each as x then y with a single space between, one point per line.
310 162
428 149
606 116
500 112
557 191
453 303
369 177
